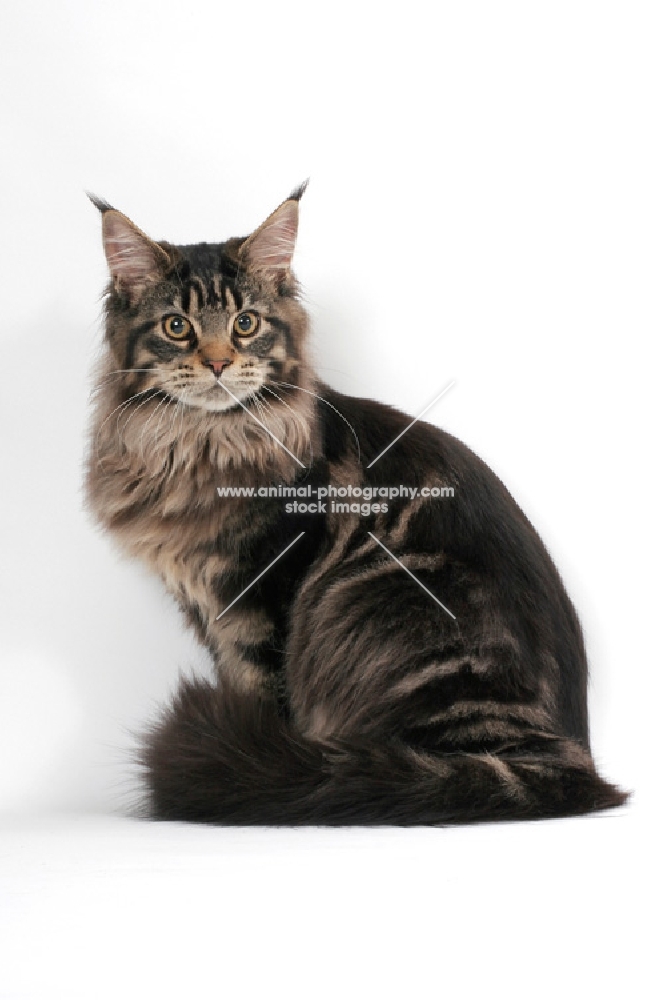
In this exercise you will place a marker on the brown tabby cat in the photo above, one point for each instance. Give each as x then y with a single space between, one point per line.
411 662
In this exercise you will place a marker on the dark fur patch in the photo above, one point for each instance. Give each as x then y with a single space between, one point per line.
218 757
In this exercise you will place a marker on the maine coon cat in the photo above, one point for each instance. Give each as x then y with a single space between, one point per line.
347 691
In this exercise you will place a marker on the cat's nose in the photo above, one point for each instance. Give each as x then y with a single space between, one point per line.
217 367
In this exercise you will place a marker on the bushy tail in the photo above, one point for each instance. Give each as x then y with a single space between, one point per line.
218 757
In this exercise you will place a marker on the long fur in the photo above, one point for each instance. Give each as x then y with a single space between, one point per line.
220 757
344 693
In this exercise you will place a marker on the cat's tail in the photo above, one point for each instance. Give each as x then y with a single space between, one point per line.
217 757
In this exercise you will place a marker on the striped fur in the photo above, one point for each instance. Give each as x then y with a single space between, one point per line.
344 693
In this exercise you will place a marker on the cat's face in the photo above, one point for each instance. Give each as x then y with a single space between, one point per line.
209 324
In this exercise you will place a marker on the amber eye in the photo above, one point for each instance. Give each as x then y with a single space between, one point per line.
246 324
177 327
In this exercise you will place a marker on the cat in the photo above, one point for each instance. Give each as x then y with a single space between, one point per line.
408 662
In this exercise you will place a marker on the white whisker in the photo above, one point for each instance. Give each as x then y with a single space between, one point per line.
131 417
121 407
159 422
342 417
121 371
147 424
301 420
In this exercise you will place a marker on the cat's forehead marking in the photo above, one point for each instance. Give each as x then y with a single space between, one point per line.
193 294
231 304
216 288
213 293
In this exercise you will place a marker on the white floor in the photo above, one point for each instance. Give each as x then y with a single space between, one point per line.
102 906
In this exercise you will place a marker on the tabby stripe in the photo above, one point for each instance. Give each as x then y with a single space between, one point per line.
135 335
162 349
362 578
233 298
193 289
262 654
200 290
433 672
507 775
474 732
229 271
285 330
367 556
215 290
397 532
259 345
363 561
331 559
199 618
466 711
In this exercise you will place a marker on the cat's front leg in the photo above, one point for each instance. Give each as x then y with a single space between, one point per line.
246 647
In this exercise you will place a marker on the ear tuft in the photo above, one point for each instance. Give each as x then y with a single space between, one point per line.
99 203
299 191
271 246
134 260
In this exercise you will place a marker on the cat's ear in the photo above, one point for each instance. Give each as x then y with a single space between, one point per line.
270 248
134 260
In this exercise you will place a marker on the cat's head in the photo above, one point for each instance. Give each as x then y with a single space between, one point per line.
207 324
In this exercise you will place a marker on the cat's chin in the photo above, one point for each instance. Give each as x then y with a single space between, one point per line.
215 402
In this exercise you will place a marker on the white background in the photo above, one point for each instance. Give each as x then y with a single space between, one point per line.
486 204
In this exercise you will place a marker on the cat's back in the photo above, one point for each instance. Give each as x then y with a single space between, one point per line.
394 448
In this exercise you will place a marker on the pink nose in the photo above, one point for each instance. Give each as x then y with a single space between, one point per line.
217 367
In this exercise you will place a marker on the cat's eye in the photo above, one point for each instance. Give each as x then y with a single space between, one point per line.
177 327
246 323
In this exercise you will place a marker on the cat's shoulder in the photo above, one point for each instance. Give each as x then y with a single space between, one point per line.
378 424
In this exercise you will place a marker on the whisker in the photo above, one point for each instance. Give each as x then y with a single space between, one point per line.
182 418
121 406
173 418
131 416
263 409
288 385
147 424
298 416
159 422
121 371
